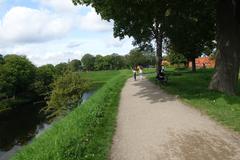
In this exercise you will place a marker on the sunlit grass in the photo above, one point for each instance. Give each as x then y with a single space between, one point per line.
193 89
99 78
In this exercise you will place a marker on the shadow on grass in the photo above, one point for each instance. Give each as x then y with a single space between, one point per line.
193 88
190 85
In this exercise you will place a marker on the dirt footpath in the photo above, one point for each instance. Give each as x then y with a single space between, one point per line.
153 125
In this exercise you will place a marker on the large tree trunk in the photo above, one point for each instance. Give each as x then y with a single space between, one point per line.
159 41
225 78
193 64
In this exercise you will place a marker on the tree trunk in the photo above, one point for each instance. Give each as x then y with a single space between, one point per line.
186 64
159 40
225 78
193 64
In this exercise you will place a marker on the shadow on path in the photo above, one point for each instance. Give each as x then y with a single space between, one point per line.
152 92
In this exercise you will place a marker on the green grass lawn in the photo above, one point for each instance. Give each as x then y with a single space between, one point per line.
86 133
192 88
99 78
149 70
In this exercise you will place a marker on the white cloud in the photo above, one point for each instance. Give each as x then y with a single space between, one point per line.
61 5
47 53
74 44
57 51
90 21
115 42
26 25
67 32
55 57
93 22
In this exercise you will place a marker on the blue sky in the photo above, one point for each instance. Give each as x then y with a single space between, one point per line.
54 31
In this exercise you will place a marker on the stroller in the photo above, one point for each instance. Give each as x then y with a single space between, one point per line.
162 77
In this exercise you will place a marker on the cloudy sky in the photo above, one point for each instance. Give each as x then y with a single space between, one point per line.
53 31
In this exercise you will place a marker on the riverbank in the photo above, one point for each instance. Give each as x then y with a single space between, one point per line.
86 133
7 105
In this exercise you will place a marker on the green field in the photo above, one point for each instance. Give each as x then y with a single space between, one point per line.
99 78
192 88
149 70
86 133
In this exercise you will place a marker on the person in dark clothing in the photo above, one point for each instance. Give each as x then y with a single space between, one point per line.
134 73
160 76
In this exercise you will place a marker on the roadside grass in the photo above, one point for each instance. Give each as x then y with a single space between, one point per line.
192 88
84 134
149 70
99 78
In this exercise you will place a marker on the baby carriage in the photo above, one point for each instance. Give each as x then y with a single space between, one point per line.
162 78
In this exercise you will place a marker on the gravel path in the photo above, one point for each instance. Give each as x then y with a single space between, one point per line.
153 125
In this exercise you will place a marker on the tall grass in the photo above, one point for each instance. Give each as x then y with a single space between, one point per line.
86 133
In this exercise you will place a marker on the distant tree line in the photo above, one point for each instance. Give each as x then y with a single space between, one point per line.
115 61
58 87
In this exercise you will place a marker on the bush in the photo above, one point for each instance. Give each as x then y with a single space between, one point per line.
67 90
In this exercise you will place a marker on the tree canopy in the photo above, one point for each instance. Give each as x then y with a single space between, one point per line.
75 65
45 76
143 20
1 59
88 62
189 25
136 57
61 68
176 58
16 75
192 29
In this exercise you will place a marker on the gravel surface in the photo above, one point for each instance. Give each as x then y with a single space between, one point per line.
153 125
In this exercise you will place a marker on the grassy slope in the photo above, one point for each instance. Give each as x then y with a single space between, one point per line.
86 133
193 89
99 78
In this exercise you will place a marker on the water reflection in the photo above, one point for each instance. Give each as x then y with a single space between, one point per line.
20 126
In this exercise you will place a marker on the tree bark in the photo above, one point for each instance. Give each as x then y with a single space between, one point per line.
159 41
193 64
225 78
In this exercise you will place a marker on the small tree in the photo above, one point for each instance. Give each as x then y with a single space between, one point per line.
67 92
